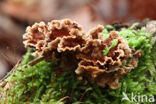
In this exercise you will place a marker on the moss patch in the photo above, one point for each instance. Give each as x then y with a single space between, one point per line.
39 84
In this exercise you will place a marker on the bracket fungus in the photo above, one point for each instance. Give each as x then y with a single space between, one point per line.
98 60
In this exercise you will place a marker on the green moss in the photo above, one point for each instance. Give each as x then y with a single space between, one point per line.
114 43
137 39
39 84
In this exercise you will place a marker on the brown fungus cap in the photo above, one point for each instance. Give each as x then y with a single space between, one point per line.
106 69
60 35
92 64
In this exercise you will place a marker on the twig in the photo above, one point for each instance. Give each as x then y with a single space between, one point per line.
14 68
34 62
62 99
89 89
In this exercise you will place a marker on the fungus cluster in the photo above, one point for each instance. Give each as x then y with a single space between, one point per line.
94 58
